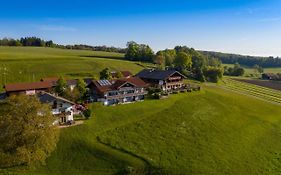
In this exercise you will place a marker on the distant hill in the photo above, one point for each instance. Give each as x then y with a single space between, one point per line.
245 60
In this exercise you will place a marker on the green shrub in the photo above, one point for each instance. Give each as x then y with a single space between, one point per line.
87 113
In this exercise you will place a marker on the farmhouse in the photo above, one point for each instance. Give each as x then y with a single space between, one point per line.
167 80
62 108
28 88
271 76
118 91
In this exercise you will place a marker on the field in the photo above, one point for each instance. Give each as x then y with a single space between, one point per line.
249 70
29 64
264 93
265 83
230 128
210 132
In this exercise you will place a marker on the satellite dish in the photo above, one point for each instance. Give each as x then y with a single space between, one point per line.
161 82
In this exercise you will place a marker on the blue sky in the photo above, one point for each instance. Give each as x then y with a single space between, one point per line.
235 26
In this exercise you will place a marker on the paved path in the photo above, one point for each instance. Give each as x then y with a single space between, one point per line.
80 122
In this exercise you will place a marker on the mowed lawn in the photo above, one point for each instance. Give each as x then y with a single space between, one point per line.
209 132
27 64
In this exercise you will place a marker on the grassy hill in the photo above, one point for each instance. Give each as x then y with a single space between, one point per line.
210 132
215 131
31 63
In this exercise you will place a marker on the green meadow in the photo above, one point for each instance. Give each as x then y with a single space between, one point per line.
214 131
229 128
249 70
27 64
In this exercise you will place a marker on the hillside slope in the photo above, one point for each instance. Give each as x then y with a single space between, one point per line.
31 63
209 132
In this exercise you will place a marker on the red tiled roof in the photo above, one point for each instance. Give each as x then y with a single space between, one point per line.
27 86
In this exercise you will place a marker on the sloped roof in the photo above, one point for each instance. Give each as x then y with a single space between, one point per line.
45 97
27 86
116 84
157 74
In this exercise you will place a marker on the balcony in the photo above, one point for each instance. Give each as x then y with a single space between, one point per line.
126 95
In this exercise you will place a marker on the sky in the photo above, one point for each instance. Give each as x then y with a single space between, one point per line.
250 27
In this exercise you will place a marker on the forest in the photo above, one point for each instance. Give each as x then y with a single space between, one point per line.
249 61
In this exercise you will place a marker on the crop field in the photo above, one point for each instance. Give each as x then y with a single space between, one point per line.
265 83
27 64
245 87
209 132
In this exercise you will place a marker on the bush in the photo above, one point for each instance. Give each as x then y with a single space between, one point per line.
87 113
213 74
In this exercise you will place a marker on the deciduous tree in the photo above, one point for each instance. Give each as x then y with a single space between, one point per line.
61 87
27 135
183 60
105 74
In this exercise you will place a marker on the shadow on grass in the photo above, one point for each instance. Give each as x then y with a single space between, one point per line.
83 74
149 169
105 56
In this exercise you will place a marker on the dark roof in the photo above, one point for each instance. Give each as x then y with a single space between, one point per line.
116 84
27 86
88 81
157 74
45 97
71 82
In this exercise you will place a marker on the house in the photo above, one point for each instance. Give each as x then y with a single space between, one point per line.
71 83
125 74
28 88
124 90
271 76
167 80
62 108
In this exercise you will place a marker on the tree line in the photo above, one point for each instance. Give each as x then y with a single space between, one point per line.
249 61
27 41
186 60
142 52
38 42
